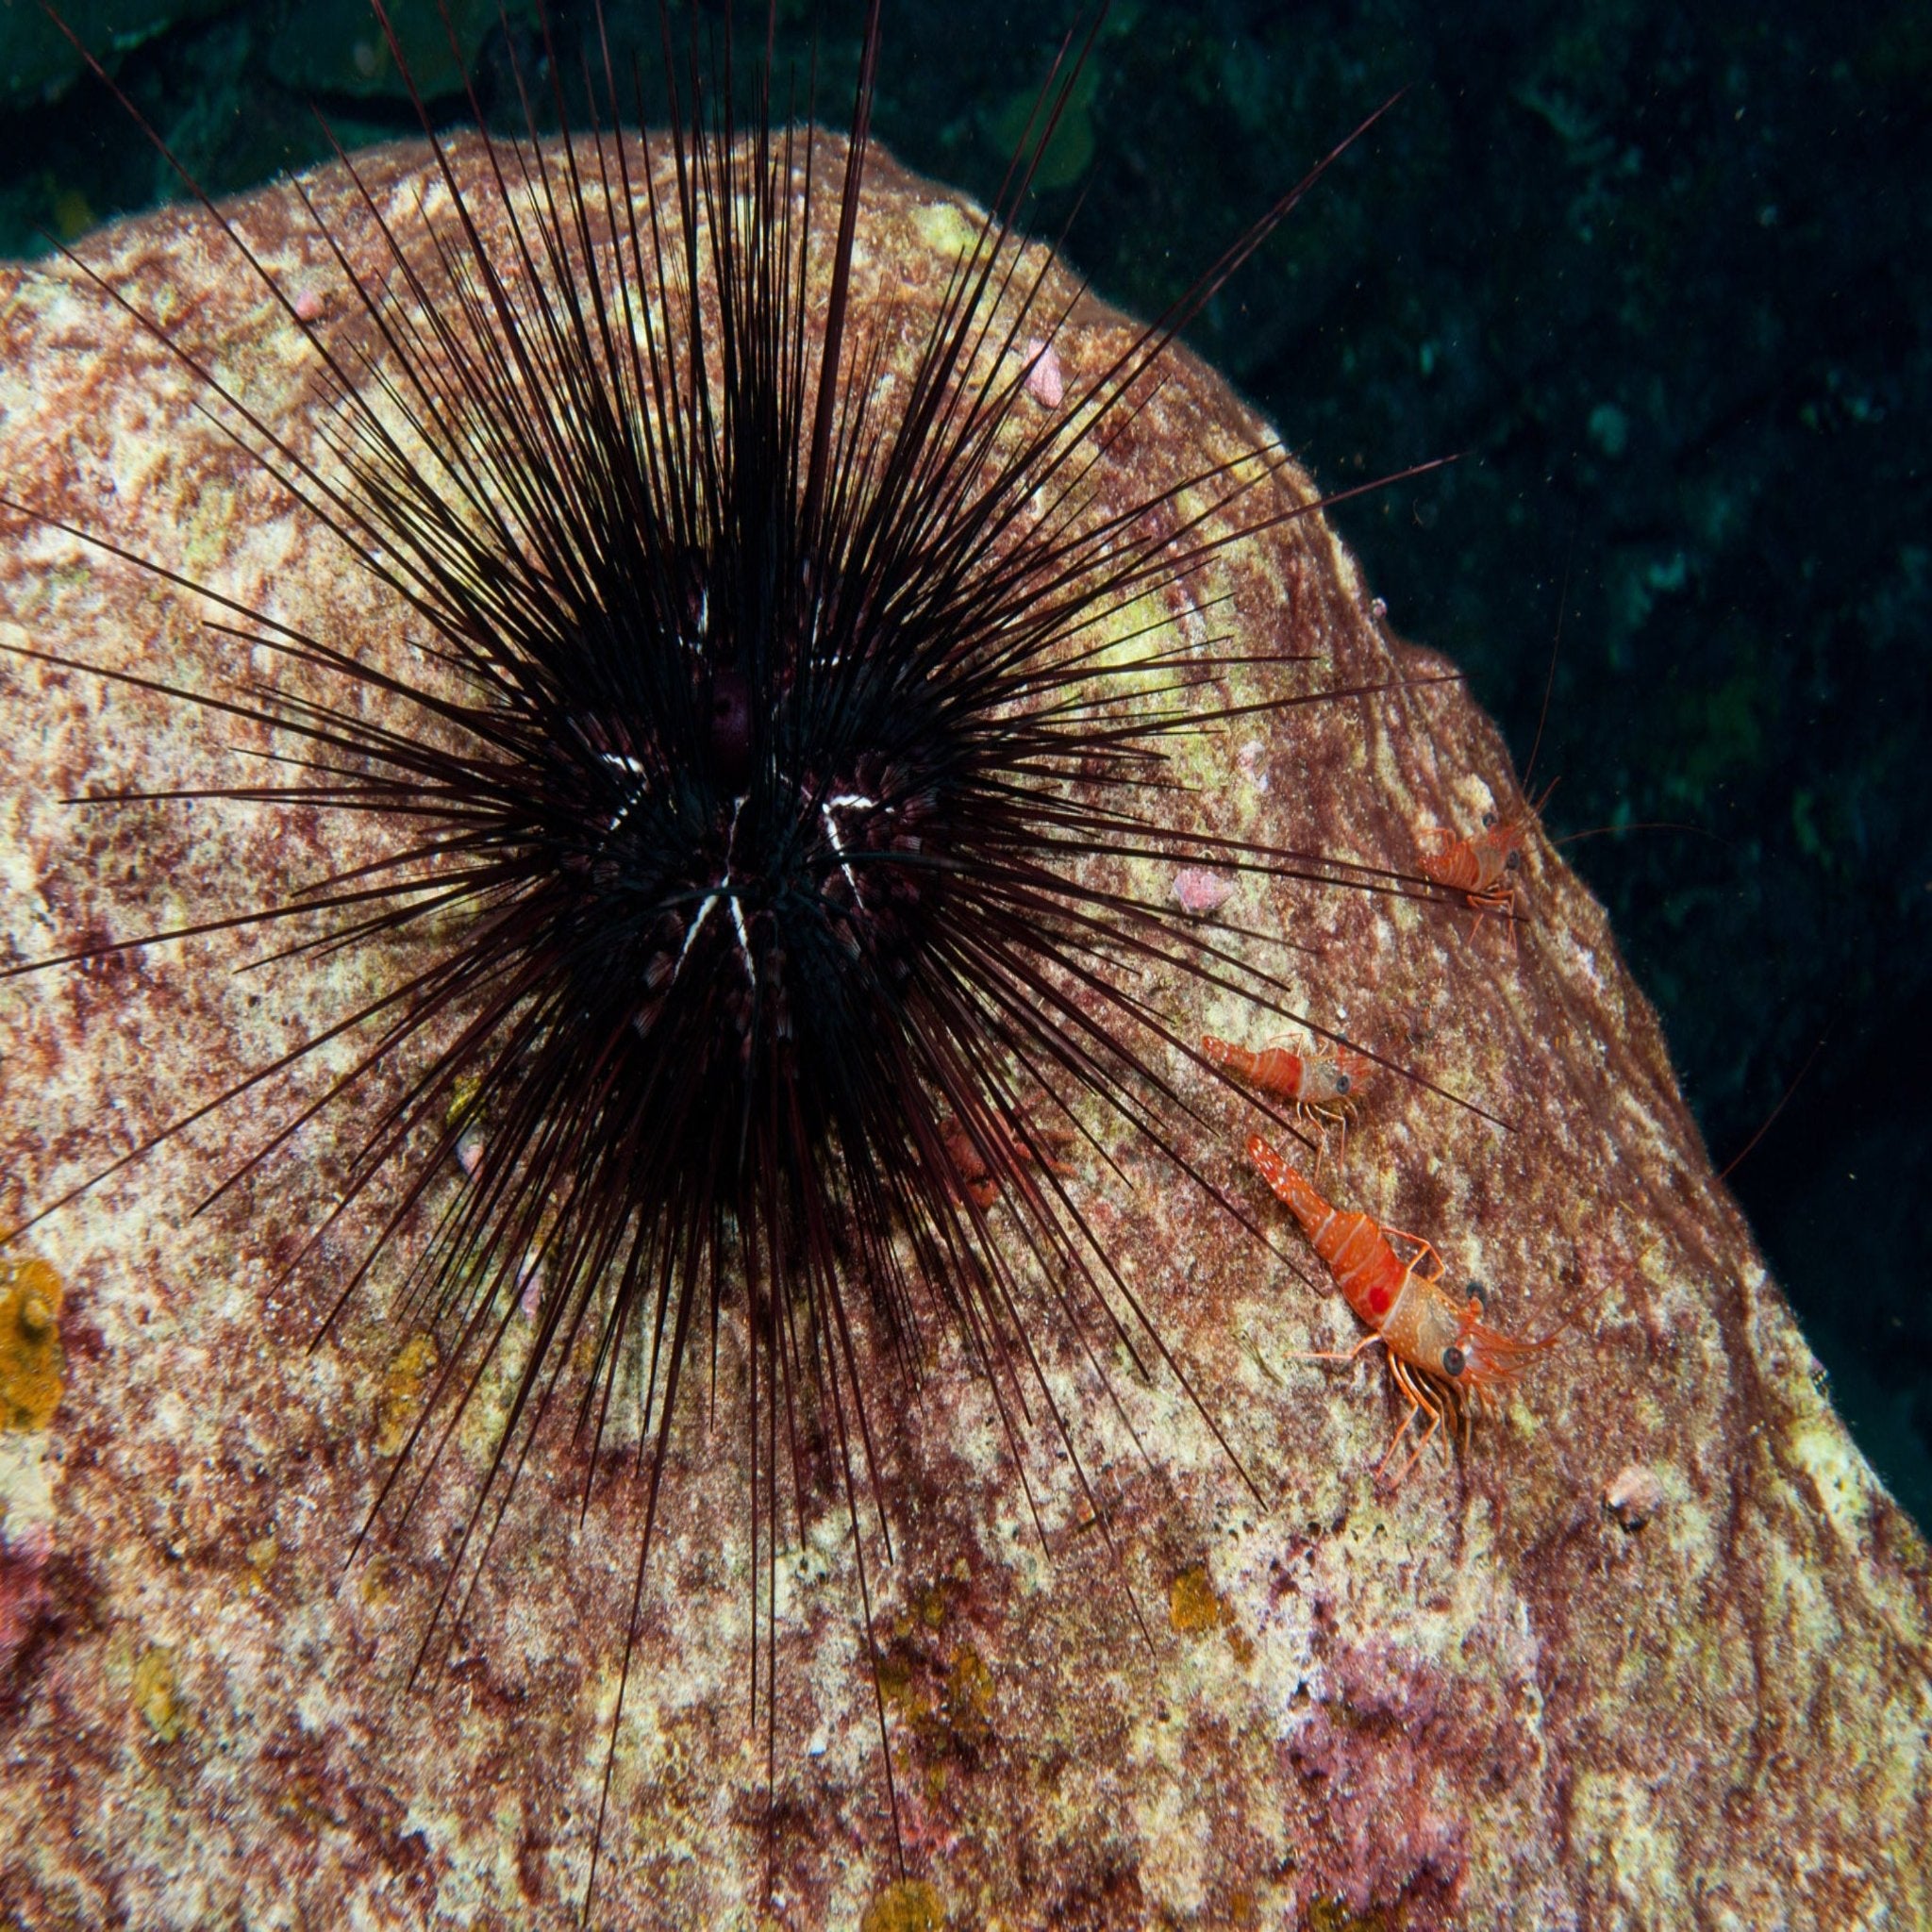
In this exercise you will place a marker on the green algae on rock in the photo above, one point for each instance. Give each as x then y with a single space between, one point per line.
1478 1699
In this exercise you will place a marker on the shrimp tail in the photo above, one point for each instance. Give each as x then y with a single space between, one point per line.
1292 1188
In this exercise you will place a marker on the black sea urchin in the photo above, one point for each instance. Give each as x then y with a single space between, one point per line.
750 899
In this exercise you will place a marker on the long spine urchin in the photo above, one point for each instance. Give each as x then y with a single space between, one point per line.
784 702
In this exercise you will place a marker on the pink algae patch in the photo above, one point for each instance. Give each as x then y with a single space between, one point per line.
24 1595
1201 891
1046 382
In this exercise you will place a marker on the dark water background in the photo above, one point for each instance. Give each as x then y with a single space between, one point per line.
1665 283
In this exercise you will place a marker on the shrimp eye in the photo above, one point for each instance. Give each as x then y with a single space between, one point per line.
1489 819
1453 1362
1513 863
1478 1294
1341 1083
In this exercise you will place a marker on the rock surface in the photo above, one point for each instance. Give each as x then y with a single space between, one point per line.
1493 1696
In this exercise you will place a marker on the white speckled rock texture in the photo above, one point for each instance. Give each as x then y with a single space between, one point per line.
1655 1654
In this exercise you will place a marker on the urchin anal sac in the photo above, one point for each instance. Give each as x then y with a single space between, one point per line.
1476 1697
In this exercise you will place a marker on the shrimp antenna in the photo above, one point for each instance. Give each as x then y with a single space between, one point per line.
1737 1161
1542 717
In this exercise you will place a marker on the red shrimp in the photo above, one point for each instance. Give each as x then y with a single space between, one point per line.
970 1171
1484 867
1476 866
1445 1358
1324 1084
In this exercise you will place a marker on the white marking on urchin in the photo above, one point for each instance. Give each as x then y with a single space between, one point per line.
724 887
692 932
845 801
623 762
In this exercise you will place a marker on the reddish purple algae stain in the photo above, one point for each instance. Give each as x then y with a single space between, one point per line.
1381 1740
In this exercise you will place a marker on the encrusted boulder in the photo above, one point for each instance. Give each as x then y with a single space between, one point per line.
1652 1651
